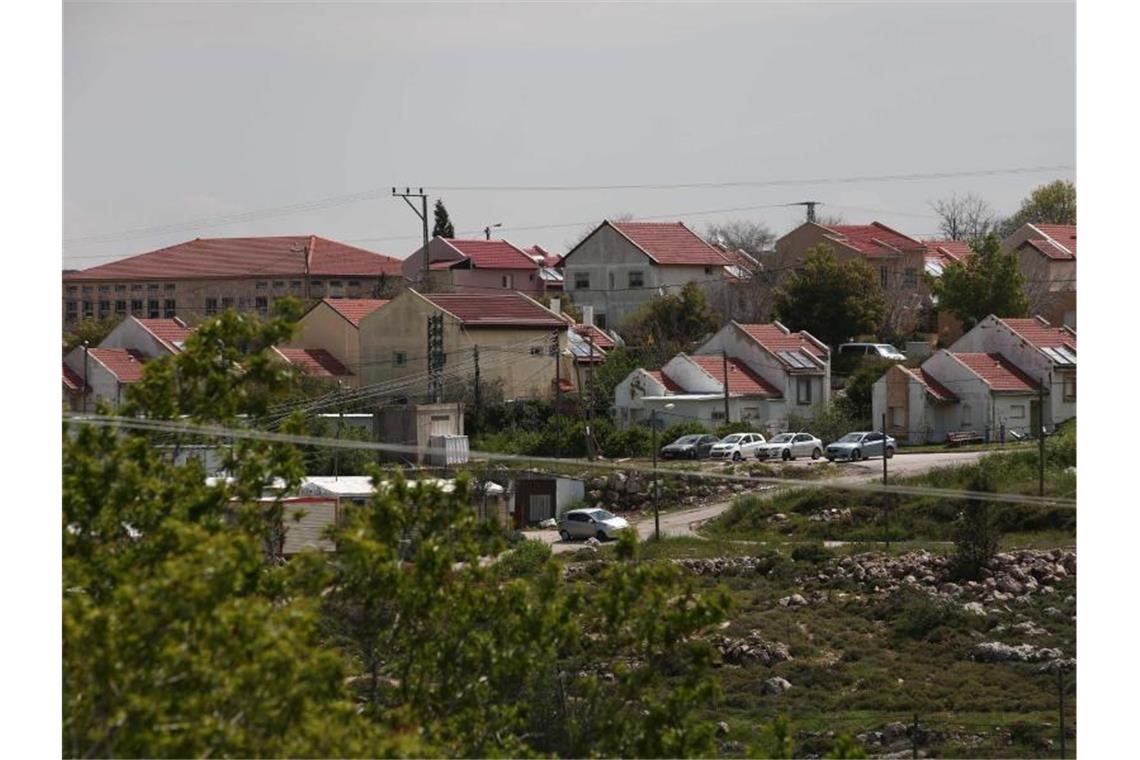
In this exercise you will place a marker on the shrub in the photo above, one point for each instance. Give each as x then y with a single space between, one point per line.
813 553
673 432
526 559
917 615
632 442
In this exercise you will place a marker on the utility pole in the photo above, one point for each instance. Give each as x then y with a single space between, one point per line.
1061 704
86 385
588 403
656 506
810 208
423 215
339 425
1041 440
724 360
557 387
886 496
478 391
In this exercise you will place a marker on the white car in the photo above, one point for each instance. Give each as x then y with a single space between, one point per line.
590 523
791 445
736 446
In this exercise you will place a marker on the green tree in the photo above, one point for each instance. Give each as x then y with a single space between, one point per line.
831 300
89 329
667 324
442 226
990 282
1055 203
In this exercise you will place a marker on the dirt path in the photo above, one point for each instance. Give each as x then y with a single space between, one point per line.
685 522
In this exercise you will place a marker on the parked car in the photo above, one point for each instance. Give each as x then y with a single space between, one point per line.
791 445
873 350
689 447
587 523
856 446
736 446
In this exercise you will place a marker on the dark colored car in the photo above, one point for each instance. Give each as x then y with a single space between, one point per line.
689 447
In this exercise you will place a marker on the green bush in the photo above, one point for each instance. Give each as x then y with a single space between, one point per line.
673 432
917 615
526 559
633 442
813 553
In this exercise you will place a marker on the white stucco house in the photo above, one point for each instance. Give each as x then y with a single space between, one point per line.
991 381
772 373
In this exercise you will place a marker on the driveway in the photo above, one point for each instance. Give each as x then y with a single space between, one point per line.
685 522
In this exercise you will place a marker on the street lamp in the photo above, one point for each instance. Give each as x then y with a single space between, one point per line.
488 228
656 504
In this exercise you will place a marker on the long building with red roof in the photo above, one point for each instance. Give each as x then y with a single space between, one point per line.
204 276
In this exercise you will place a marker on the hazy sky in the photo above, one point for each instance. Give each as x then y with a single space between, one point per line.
188 113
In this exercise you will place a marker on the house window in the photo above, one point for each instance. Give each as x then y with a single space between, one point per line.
400 358
750 412
227 303
152 286
316 286
718 415
910 278
72 309
277 284
1017 412
168 308
262 304
536 351
104 309
211 307
600 320
295 286
1069 387
354 283
169 287
508 281
637 279
136 287
72 289
803 391
581 280
611 280
896 418
152 310
136 306
120 288
88 309
883 276
104 288
262 285
120 308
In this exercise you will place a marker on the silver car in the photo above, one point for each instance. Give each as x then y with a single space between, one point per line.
856 446
590 523
791 445
736 446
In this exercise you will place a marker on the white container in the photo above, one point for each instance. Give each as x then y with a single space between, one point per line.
448 450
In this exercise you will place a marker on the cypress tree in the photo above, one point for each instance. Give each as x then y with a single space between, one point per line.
443 226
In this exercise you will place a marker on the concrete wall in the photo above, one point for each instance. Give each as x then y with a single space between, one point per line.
974 410
504 352
486 281
324 327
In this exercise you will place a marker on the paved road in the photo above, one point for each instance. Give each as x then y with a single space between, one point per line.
686 521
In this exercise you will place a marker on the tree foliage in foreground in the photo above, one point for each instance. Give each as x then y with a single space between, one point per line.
667 324
181 639
831 300
990 282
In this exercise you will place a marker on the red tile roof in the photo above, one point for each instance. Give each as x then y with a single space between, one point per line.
1050 249
997 372
548 259
936 389
71 379
495 310
592 332
875 239
776 338
355 309
1043 335
953 250
665 380
172 333
316 362
245 257
670 243
1064 234
124 363
492 254
742 381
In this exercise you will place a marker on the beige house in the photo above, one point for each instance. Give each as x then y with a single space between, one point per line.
202 277
1047 256
621 265
476 266
333 325
515 338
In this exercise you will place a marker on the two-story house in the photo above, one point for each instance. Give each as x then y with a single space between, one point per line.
621 265
1047 257
475 267
333 326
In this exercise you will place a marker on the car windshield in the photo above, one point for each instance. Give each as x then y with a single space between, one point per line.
732 438
782 438
601 514
851 438
686 440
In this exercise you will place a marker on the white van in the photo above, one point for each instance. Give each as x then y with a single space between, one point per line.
878 350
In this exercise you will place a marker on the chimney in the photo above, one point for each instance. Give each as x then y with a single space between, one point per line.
556 305
588 315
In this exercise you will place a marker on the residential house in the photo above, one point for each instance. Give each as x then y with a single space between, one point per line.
897 259
773 374
551 267
1047 256
333 324
204 276
515 338
991 381
621 265
477 267
316 363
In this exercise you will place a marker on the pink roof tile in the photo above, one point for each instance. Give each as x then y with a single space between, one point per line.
875 239
592 332
124 363
495 310
1063 234
1043 335
355 309
72 380
315 362
246 257
492 254
668 382
670 243
936 389
171 332
741 380
997 372
1050 249
948 250
776 338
